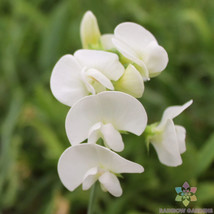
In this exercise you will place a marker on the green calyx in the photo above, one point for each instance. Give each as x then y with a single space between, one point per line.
150 132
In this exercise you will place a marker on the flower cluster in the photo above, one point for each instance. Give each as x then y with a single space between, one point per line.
101 83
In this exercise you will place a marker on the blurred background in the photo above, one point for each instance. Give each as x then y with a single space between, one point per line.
34 35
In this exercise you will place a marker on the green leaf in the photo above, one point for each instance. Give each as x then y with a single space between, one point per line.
206 156
7 132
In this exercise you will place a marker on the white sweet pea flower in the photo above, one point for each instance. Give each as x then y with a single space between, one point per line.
168 139
87 72
139 46
103 116
90 34
89 31
86 163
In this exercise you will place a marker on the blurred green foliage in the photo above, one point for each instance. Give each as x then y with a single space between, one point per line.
34 35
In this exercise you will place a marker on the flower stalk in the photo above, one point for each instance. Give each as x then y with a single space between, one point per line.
92 199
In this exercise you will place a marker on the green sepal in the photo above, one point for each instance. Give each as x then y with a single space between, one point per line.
123 132
119 175
148 134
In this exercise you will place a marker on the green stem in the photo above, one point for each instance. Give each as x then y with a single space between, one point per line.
91 199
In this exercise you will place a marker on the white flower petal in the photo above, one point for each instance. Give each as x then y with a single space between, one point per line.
98 76
88 86
90 178
140 46
127 51
105 62
115 163
94 133
80 118
132 56
111 184
74 164
136 36
123 111
112 137
131 82
173 111
156 58
181 135
66 84
77 162
106 41
166 145
89 30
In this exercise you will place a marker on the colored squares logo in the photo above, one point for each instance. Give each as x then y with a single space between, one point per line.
185 194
